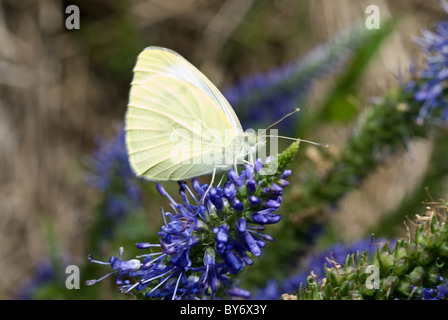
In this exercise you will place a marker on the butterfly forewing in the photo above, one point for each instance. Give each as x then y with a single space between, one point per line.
166 121
162 61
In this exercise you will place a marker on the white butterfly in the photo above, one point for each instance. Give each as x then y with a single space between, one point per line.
171 100
178 124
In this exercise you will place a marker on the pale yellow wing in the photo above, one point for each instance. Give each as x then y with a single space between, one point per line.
167 125
155 61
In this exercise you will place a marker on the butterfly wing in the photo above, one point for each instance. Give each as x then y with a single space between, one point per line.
162 61
178 124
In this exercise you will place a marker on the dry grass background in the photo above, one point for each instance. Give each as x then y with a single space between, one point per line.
54 99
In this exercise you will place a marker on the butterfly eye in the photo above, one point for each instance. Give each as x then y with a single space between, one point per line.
252 140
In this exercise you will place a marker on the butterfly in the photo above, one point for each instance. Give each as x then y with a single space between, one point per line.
178 124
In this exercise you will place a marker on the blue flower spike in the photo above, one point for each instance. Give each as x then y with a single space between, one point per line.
202 244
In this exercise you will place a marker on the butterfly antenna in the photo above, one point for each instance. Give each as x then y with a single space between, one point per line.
302 140
289 138
283 118
202 201
325 145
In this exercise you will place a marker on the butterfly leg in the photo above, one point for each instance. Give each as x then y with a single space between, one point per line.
220 181
251 158
235 165
210 186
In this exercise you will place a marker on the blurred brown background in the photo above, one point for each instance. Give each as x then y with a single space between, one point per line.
59 88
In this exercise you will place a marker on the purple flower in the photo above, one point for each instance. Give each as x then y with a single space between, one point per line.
439 293
266 216
123 268
430 88
235 179
202 243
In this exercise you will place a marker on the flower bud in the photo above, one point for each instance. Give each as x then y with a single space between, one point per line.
222 234
276 189
233 263
425 257
333 276
197 187
235 178
251 244
327 293
286 173
209 257
401 267
420 235
390 282
238 205
432 276
352 276
216 198
404 288
144 245
267 237
266 217
399 251
412 250
249 172
283 183
433 241
443 250
386 260
241 225
258 165
416 276
254 200
371 291
344 288
230 191
161 189
273 204
251 186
